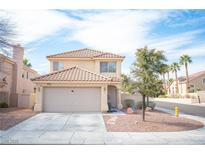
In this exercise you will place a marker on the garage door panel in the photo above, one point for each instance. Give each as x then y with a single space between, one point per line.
71 99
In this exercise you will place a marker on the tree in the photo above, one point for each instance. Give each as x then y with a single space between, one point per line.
126 84
26 62
168 78
175 67
163 71
146 70
6 35
185 60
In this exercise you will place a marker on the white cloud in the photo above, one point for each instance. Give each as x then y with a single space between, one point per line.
194 51
170 43
120 31
195 66
33 25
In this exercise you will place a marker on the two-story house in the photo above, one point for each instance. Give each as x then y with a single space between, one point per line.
80 80
196 83
15 77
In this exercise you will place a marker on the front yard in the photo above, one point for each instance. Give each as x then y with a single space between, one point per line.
156 121
9 117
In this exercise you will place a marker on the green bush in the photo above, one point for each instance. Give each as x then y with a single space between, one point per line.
3 105
162 96
139 105
128 103
149 104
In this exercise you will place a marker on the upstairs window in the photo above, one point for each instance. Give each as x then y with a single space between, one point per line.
58 66
107 67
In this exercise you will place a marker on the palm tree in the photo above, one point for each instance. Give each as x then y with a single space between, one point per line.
163 71
26 62
175 67
168 71
185 60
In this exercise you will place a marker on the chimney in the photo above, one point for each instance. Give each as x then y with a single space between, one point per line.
18 53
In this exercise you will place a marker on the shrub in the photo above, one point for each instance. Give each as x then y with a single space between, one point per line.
162 96
193 97
128 103
149 104
3 105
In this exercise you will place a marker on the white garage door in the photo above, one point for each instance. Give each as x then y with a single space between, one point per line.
71 99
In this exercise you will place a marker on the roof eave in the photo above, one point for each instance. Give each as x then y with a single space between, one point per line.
75 82
83 58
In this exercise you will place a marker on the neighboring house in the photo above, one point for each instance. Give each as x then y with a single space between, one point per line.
15 77
80 80
196 83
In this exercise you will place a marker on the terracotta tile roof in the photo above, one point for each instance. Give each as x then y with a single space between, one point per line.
3 57
85 53
75 74
192 76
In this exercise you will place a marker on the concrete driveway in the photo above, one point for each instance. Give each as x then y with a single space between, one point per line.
51 128
60 128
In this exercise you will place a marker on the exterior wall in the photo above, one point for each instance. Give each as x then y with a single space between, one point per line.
87 64
7 69
16 85
201 95
27 85
136 97
198 84
173 88
182 88
91 65
26 100
38 106
18 53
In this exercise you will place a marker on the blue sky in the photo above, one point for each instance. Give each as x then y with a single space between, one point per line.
46 32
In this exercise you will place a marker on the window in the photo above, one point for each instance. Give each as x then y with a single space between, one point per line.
23 75
203 80
58 66
107 67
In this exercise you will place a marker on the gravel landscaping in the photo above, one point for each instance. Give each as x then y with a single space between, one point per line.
9 117
156 121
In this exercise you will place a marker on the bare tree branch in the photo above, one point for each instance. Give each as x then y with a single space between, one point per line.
7 34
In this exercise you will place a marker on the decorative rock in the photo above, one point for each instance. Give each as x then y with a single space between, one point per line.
129 110
112 120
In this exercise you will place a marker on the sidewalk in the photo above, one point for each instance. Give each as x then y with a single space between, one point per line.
193 109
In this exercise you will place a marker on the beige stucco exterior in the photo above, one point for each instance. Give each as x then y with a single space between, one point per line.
89 64
13 69
7 70
195 85
92 65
